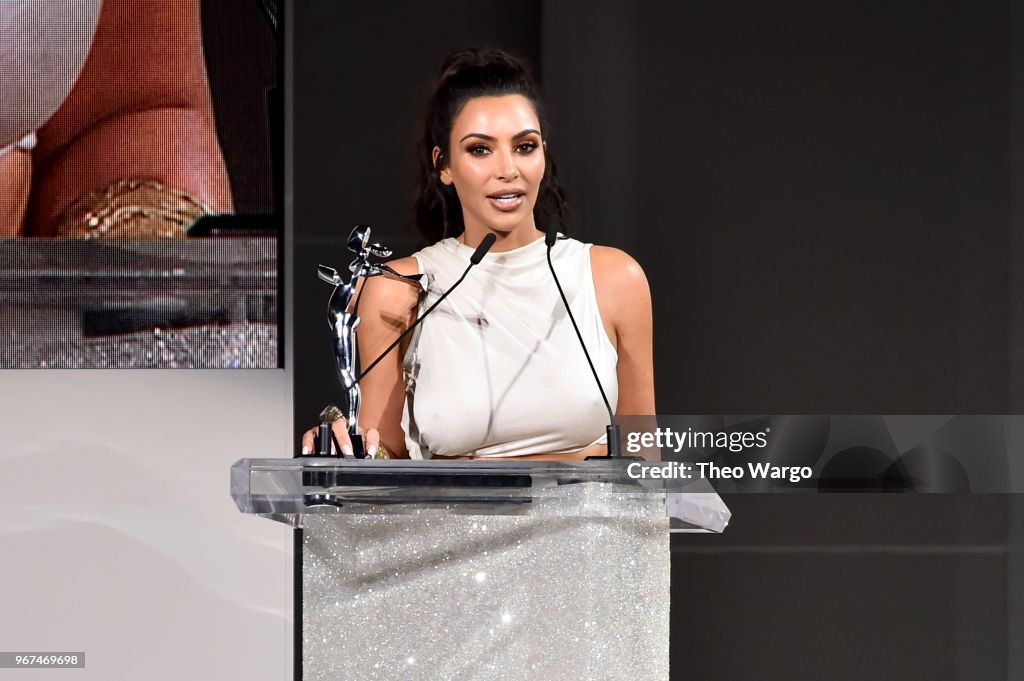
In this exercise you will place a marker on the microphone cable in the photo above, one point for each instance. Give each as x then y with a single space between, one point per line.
613 432
474 260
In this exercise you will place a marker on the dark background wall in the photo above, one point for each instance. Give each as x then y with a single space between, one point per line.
243 53
850 587
820 197
824 199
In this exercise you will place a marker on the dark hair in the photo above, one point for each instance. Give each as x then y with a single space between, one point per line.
463 76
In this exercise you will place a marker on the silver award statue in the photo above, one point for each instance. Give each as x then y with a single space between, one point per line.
343 320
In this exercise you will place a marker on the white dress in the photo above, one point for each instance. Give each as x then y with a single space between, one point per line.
43 47
496 370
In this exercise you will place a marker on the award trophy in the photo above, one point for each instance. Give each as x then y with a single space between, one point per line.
343 319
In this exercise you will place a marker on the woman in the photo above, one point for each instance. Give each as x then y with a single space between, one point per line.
497 371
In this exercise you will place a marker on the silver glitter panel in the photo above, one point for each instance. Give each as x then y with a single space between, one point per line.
553 593
241 345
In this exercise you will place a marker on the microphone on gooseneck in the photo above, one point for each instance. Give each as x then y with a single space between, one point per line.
478 254
614 448
474 260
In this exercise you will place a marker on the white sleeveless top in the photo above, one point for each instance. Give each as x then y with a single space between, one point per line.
496 370
43 46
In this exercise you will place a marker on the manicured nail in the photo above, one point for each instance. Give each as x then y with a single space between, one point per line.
347 450
371 451
305 450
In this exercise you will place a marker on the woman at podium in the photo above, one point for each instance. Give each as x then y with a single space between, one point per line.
564 576
497 370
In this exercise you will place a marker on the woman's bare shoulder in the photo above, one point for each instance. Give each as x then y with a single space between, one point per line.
392 300
615 270
406 266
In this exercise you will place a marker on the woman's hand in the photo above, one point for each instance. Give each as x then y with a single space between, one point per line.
371 440
387 309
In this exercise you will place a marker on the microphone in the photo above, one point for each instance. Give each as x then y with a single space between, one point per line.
551 235
474 260
613 432
478 254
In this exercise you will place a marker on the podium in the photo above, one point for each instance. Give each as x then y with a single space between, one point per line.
473 570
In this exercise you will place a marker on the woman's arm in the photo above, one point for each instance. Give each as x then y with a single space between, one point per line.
624 299
386 309
140 109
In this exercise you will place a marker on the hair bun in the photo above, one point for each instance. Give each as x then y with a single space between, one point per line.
482 59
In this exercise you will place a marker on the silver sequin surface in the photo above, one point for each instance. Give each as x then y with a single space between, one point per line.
576 588
243 345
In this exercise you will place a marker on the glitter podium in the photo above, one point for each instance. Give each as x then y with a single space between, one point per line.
472 570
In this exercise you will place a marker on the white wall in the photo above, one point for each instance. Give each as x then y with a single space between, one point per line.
118 536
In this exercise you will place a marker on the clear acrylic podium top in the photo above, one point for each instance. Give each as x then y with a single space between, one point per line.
287 489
